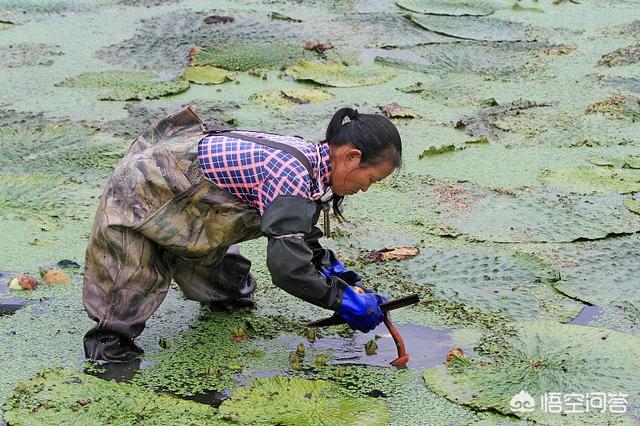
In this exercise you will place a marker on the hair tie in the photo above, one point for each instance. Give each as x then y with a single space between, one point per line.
354 115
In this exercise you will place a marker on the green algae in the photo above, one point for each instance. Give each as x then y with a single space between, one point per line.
48 6
64 396
448 7
338 75
207 75
544 357
290 97
294 401
127 85
432 150
590 179
247 56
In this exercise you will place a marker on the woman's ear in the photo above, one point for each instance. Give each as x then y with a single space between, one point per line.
353 157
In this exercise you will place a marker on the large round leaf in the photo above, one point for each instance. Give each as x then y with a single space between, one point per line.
338 75
448 7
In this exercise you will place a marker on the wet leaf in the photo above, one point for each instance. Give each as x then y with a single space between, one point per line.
471 28
246 56
338 75
294 401
394 110
546 357
287 98
207 75
437 150
371 347
633 204
454 353
392 253
590 179
448 7
127 85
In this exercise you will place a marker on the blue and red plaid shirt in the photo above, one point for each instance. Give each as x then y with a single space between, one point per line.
257 173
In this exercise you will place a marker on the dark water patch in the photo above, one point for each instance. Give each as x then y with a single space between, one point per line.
117 371
427 347
588 314
213 398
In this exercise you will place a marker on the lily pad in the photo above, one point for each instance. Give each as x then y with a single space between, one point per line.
483 123
590 131
519 286
246 56
617 107
127 85
395 110
207 75
532 215
294 401
448 7
601 273
626 162
287 98
338 75
471 28
633 204
590 179
64 396
546 357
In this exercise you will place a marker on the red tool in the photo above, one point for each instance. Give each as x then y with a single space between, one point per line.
403 356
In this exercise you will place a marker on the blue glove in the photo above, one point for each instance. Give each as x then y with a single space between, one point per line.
361 310
337 269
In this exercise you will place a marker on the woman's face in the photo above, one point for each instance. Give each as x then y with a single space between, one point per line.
349 177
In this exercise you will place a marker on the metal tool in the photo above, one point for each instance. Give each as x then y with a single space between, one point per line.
403 356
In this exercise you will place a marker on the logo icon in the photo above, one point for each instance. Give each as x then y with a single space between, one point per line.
522 402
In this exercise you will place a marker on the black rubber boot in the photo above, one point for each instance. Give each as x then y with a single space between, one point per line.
108 346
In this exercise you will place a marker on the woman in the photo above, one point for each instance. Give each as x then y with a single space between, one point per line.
184 195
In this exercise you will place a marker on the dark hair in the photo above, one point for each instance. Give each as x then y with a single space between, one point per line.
373 134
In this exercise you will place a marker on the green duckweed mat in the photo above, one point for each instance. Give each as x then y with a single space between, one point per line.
519 188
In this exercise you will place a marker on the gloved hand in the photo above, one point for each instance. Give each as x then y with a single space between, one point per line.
337 269
361 310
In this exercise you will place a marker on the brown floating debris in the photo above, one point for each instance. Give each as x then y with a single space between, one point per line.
318 46
394 110
217 19
239 334
55 276
22 282
391 253
455 353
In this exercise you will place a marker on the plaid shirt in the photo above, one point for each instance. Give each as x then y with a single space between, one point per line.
257 173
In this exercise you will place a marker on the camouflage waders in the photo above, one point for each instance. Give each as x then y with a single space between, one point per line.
159 219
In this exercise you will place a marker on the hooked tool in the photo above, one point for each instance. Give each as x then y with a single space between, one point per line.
403 356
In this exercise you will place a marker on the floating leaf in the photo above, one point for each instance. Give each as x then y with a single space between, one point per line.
530 215
492 280
70 397
294 401
394 110
633 204
392 253
207 75
437 150
127 85
56 276
547 357
590 179
338 75
448 7
471 28
287 98
246 56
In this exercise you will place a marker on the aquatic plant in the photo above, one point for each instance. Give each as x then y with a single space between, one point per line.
127 85
337 74
295 401
448 7
545 357
207 75
287 98
246 56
